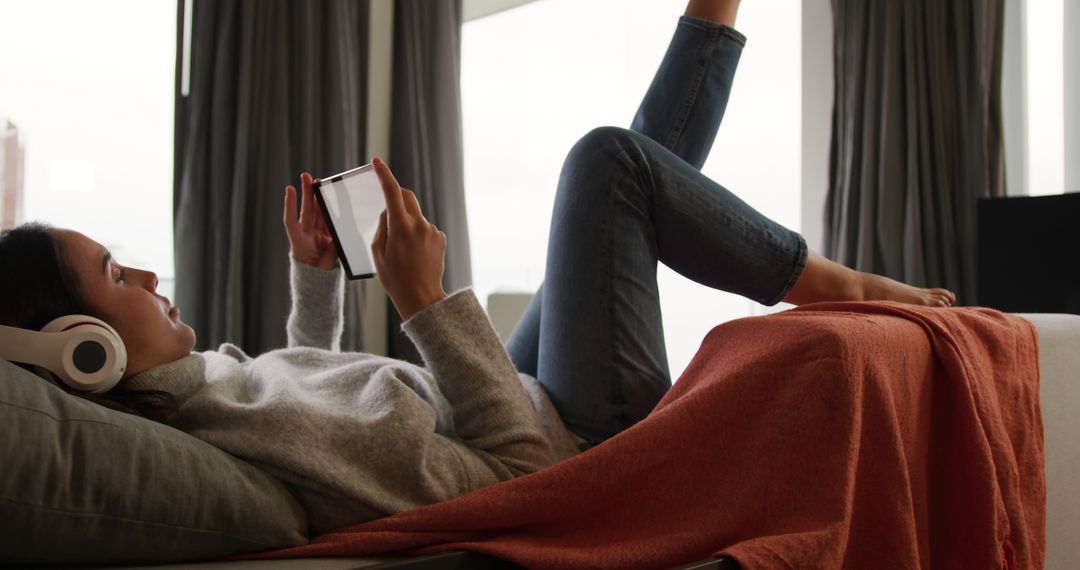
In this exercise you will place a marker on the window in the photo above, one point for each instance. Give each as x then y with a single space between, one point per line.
1045 96
536 78
89 88
1033 96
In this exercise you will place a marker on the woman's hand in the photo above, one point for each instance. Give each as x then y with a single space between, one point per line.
407 249
309 240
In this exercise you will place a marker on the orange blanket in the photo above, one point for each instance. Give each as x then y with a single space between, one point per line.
838 435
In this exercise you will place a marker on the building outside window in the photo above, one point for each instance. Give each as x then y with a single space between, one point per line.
12 167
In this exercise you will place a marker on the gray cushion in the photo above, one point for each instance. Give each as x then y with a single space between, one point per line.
81 482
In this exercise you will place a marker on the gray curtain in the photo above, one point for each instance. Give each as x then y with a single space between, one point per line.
426 148
917 137
276 87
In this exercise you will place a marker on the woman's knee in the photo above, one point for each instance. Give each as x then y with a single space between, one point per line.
602 145
603 161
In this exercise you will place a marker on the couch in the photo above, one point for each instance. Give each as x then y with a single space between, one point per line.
81 483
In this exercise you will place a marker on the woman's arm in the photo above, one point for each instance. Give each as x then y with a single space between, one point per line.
492 414
309 240
314 274
317 302
407 249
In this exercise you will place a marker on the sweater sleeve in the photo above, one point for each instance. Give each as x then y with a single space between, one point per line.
492 413
317 298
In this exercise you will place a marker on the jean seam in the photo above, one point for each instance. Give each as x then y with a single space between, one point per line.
618 399
800 265
711 26
588 428
694 90
617 395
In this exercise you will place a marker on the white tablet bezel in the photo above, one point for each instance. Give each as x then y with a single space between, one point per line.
333 227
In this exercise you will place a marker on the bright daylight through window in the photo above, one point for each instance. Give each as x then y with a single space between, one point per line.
86 93
536 78
1045 96
86 111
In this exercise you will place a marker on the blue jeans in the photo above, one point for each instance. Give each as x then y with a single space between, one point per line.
593 334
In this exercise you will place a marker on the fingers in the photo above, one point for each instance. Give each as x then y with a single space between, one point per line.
378 243
395 204
289 217
320 223
307 209
411 205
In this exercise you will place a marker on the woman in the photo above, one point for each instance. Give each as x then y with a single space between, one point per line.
359 436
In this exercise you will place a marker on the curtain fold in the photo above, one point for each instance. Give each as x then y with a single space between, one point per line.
276 87
917 137
426 143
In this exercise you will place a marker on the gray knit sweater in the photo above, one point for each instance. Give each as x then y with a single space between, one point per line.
358 436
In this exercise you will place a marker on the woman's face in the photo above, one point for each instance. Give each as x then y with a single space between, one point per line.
127 299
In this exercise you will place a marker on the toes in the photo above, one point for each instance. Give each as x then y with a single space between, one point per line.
937 298
948 296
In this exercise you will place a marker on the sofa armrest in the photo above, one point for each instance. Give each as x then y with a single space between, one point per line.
1059 393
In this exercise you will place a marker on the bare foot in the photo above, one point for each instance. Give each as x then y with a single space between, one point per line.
879 288
826 280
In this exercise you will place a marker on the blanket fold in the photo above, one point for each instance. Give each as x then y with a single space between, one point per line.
834 435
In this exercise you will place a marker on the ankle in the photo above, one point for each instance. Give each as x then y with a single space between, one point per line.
860 287
718 11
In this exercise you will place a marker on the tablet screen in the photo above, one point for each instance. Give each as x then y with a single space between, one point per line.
351 204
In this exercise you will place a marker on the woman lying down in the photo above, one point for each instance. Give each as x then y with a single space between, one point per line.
360 436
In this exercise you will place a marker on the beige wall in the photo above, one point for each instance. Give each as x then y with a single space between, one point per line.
817 100
380 90
1072 95
1014 99
473 9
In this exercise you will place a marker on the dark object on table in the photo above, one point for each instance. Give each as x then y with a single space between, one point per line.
1029 254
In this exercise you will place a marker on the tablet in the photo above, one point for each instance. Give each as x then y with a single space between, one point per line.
351 203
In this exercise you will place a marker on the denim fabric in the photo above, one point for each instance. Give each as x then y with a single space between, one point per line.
593 334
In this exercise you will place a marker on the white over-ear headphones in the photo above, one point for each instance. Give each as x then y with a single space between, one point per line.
85 353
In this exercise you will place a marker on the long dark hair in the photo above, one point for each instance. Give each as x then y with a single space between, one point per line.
37 286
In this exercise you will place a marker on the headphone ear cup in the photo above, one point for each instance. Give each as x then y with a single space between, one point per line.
92 357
